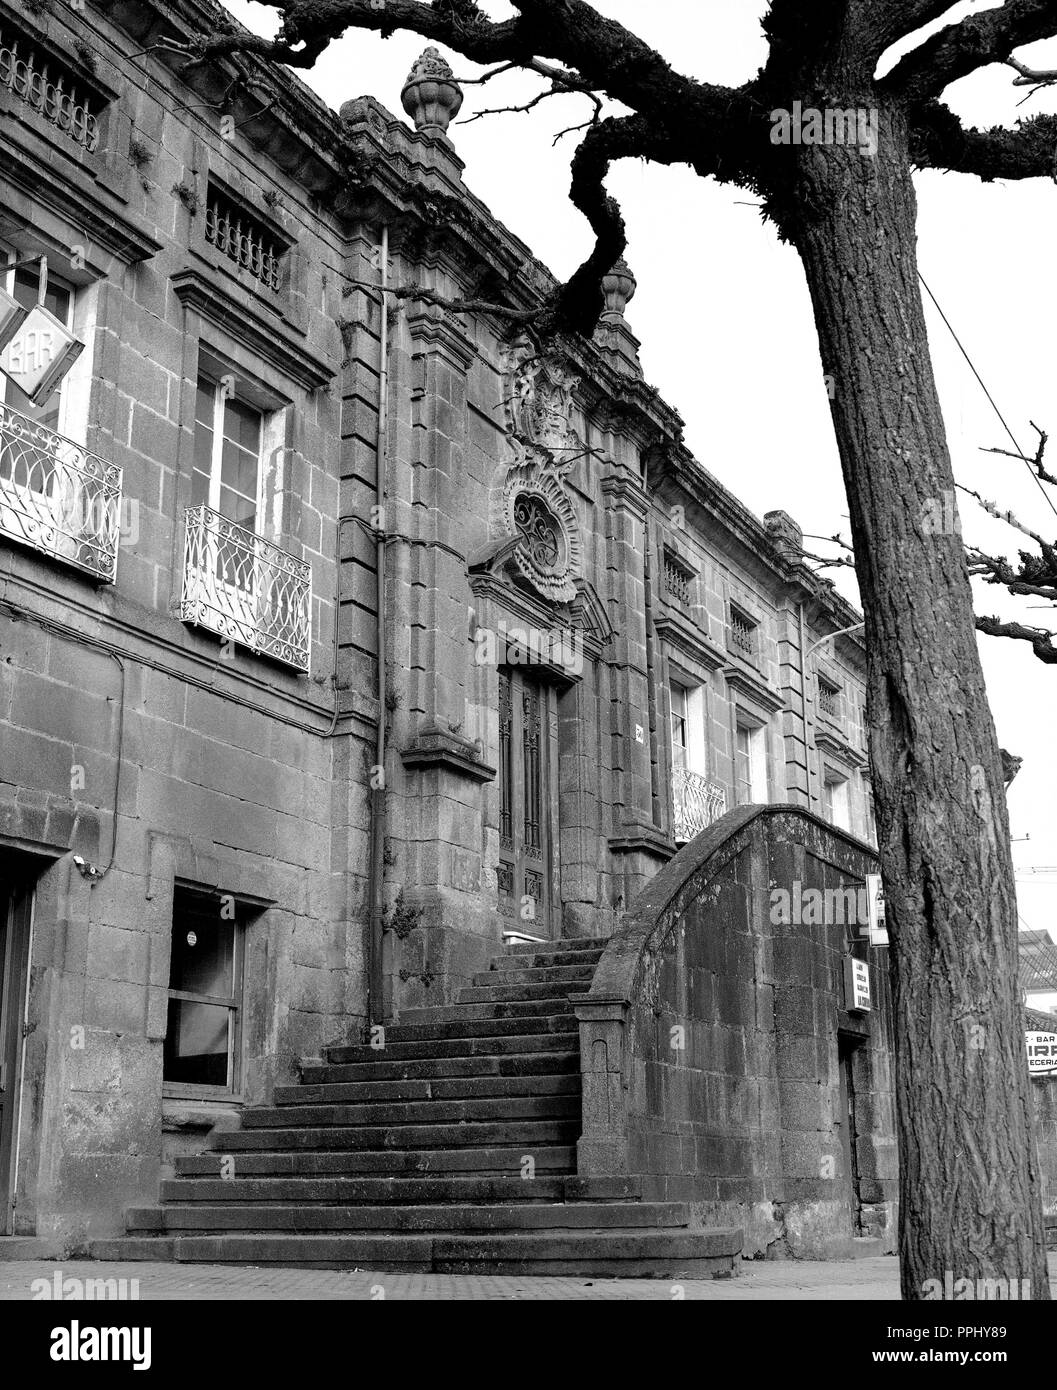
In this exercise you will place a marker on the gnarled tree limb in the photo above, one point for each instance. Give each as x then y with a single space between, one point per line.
974 42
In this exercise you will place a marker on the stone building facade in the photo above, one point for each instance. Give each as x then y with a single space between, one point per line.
240 815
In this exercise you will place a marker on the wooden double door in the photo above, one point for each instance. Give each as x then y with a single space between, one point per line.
528 879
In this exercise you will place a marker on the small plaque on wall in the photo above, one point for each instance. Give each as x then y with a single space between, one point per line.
856 985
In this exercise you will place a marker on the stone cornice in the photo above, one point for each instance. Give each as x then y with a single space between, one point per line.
741 679
268 337
443 335
684 636
438 748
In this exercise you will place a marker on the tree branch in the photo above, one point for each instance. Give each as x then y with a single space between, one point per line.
1042 641
940 141
973 43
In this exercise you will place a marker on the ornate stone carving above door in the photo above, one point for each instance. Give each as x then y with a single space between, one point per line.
529 500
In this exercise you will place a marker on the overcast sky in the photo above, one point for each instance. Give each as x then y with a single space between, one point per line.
726 328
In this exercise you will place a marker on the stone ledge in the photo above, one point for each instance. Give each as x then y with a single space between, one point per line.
434 748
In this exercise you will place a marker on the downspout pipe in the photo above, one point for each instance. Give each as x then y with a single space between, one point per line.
376 926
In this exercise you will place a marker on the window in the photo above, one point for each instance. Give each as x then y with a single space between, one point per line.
835 806
869 815
227 455
50 88
202 1039
679 728
242 238
677 578
743 633
828 698
236 581
750 764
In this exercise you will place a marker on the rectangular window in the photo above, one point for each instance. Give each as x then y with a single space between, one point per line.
202 1039
237 234
680 732
742 633
750 764
677 578
227 455
835 803
50 88
828 698
869 815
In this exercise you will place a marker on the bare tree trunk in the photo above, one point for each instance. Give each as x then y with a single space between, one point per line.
969 1183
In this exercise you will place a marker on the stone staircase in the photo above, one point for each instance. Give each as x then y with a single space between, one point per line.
451 1150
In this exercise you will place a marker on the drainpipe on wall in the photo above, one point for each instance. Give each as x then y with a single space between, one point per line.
376 925
812 795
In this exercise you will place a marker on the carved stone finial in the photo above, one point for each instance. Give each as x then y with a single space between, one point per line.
619 288
431 96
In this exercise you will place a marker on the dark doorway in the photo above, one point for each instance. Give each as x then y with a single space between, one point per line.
16 905
528 802
847 1046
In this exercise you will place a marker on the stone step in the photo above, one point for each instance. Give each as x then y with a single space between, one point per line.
481 1161
414 1112
492 993
623 1253
492 1217
547 960
563 944
476 1007
483 1134
432 1088
427 1068
457 1029
501 974
439 1049
357 1190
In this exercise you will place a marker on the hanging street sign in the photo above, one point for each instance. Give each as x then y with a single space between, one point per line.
12 316
39 354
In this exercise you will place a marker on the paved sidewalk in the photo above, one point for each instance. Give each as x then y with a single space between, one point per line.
870 1279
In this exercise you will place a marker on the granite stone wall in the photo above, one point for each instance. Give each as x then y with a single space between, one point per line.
714 1035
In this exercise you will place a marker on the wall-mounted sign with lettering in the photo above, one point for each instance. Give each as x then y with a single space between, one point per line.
856 985
39 354
1042 1053
875 901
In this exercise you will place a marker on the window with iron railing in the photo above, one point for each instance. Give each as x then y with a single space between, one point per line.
34 78
829 699
742 633
243 239
677 578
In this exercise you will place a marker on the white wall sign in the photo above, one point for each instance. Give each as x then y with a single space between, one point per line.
40 353
875 898
856 985
1042 1053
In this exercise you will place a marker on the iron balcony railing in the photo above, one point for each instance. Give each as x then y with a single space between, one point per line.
244 588
27 75
697 801
57 496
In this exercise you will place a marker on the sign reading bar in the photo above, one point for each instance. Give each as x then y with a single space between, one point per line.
1042 1053
856 985
875 900
39 354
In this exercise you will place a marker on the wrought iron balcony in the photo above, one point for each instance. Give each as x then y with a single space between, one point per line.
57 496
698 802
246 589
